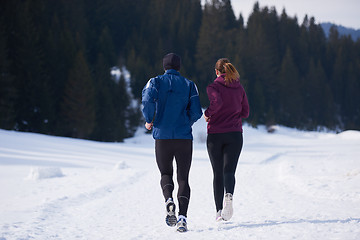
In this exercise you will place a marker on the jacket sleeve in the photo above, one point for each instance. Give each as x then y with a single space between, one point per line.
245 109
149 99
194 107
215 101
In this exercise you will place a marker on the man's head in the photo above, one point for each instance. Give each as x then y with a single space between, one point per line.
171 61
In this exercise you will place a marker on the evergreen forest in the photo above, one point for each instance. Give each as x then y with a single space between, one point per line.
56 58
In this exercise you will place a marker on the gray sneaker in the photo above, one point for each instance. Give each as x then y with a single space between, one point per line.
170 213
227 212
181 224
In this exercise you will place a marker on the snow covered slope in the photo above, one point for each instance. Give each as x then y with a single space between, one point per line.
290 185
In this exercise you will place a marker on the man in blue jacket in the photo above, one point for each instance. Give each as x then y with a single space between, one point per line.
171 105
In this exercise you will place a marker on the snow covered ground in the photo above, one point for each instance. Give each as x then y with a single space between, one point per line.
290 185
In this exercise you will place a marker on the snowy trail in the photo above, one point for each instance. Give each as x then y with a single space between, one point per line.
290 185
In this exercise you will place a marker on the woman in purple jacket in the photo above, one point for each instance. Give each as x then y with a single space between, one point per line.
228 105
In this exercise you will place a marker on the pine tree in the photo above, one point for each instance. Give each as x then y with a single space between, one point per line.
104 128
319 101
304 55
289 36
257 101
350 106
34 106
263 59
317 46
78 107
340 77
217 22
8 91
290 104
120 102
237 50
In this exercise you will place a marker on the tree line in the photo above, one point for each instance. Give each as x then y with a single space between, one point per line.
56 56
292 73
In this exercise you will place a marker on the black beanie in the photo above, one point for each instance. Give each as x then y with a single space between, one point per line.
172 61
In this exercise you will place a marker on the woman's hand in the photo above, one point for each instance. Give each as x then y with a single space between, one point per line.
206 118
149 126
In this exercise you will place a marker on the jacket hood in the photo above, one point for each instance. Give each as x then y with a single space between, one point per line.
221 80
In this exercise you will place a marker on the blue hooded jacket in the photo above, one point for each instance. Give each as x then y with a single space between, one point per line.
172 103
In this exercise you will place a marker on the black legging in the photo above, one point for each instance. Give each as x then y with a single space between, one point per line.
224 150
165 151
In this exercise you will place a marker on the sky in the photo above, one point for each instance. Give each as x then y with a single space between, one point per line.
345 12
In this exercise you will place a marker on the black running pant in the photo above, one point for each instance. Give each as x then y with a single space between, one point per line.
165 151
224 150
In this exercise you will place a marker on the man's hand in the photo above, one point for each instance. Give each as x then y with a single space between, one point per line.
149 126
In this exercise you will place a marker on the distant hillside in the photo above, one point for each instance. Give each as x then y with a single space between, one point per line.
355 34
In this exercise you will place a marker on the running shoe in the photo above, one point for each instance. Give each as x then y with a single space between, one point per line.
218 216
170 213
181 224
227 212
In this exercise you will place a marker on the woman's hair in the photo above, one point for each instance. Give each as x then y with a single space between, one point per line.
224 66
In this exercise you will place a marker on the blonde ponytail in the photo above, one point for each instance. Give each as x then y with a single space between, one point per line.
231 73
223 65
